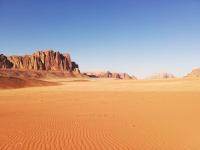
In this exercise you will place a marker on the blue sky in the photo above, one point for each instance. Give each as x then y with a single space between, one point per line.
139 37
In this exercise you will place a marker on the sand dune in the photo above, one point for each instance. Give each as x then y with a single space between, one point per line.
102 114
13 83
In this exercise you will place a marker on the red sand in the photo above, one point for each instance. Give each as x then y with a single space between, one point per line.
102 114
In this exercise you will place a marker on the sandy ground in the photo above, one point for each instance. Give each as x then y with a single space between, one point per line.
14 83
102 115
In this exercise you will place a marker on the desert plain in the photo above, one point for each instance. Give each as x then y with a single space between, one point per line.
102 114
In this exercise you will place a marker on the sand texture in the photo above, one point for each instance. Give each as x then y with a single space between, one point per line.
14 83
102 114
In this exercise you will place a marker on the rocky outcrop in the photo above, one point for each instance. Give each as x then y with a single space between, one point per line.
163 75
4 62
127 76
194 74
40 60
109 74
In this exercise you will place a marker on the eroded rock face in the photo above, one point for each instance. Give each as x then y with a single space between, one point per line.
42 60
4 62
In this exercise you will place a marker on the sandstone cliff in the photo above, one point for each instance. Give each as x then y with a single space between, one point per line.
40 60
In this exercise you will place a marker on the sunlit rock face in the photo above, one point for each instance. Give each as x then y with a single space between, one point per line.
41 60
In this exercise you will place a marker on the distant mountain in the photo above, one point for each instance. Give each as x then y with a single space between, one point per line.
109 74
163 75
194 74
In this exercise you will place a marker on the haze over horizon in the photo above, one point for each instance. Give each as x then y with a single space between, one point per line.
139 37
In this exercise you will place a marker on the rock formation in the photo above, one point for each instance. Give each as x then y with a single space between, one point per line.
126 76
109 74
163 75
194 74
40 60
4 62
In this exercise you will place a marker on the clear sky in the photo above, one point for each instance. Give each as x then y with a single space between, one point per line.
139 37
